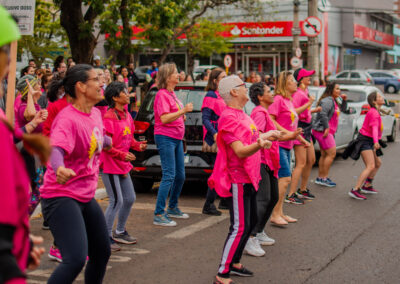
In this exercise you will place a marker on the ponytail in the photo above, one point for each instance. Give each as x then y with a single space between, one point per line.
34 143
54 89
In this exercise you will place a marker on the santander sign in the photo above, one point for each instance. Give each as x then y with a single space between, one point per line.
261 29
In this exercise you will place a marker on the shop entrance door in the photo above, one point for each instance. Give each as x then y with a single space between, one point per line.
265 63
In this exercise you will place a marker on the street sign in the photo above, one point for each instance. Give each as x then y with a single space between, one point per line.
312 26
356 51
296 31
24 11
296 62
228 61
298 52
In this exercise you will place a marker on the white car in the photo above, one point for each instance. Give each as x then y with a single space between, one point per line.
351 123
201 69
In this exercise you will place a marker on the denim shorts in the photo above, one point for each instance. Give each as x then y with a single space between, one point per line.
284 161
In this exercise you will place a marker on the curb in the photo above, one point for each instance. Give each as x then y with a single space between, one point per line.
100 194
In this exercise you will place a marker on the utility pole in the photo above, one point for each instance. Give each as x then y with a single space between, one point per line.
313 45
296 27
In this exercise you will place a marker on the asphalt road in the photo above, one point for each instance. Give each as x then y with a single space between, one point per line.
337 239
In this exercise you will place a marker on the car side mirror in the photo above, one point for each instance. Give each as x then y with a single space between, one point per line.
350 110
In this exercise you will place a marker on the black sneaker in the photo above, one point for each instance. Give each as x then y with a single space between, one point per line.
223 204
293 199
305 194
242 271
45 226
211 210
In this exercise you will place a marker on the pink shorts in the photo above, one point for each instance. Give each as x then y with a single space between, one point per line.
325 143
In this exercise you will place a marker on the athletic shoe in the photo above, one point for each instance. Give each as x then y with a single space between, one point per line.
264 240
124 238
305 194
242 271
318 181
356 194
45 226
368 190
176 213
211 210
54 254
163 220
331 181
113 245
293 199
253 247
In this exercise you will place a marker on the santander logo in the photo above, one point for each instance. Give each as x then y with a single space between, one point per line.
258 31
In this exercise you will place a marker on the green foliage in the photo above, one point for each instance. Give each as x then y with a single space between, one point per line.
49 39
205 38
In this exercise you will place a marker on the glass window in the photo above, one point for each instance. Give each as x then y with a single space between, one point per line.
355 96
343 75
355 75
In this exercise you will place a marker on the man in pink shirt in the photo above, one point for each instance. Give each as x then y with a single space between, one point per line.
237 173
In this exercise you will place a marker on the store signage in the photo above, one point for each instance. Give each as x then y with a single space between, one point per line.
356 51
373 36
24 11
312 26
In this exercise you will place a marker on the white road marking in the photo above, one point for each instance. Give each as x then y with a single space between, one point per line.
119 258
41 272
151 206
134 251
33 281
196 227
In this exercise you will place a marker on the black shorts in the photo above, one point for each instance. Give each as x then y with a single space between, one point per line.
366 144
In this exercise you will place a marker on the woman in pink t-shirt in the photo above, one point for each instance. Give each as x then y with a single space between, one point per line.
368 139
116 163
285 117
324 126
68 205
169 130
305 156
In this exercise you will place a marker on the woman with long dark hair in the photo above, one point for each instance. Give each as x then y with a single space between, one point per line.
368 144
212 107
68 205
324 126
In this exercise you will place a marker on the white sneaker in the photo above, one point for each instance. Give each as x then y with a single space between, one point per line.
253 247
264 240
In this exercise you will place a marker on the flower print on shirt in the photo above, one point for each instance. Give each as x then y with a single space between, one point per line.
96 145
253 128
293 117
127 131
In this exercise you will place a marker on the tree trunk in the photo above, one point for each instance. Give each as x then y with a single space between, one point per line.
126 48
190 62
165 53
82 43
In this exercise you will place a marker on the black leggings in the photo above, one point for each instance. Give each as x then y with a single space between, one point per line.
80 231
267 197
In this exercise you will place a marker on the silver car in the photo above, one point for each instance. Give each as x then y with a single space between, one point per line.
352 77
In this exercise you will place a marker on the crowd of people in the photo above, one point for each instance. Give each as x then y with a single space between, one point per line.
87 114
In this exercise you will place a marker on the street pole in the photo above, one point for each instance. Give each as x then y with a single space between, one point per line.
313 46
296 27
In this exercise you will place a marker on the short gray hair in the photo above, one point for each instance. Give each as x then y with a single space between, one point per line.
163 74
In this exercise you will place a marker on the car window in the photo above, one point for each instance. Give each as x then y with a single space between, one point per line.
355 75
343 75
355 96
385 75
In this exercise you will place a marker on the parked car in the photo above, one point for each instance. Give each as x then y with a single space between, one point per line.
141 72
201 69
389 80
352 77
350 123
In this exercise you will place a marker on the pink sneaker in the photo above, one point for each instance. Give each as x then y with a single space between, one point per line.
368 190
55 254
356 194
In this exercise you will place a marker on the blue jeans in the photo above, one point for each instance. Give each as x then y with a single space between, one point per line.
173 171
284 160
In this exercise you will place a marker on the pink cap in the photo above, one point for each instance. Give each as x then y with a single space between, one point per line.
301 73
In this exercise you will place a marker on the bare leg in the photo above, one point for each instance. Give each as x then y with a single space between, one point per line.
330 156
277 213
321 163
301 159
369 161
305 175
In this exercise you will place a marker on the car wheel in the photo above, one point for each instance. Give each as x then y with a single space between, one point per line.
392 136
391 89
142 184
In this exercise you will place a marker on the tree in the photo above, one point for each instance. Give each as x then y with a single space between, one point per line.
80 27
48 39
166 21
205 39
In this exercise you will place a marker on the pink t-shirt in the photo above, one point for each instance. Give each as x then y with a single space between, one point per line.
167 102
372 126
14 192
20 120
121 130
264 123
235 125
81 136
300 98
334 122
285 114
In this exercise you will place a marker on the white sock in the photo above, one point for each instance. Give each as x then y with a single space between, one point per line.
119 232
